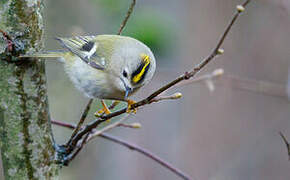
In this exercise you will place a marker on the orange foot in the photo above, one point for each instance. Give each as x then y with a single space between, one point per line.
105 110
129 108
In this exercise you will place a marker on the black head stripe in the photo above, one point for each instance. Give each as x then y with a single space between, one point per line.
145 72
138 71
88 46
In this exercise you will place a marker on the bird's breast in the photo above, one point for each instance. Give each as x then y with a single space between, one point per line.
92 82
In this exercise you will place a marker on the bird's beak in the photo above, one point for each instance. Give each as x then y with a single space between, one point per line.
128 90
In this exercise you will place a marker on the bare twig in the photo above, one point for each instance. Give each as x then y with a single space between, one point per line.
132 125
208 77
172 97
141 150
129 12
212 76
286 143
107 128
216 51
71 156
115 124
81 121
63 124
131 146
119 122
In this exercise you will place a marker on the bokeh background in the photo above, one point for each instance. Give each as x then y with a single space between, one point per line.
230 133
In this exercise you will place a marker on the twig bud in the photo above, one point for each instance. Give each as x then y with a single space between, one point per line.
136 125
218 72
240 8
177 95
220 51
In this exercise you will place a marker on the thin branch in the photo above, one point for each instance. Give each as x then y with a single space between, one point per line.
71 156
129 12
286 143
63 124
204 78
132 125
81 121
131 146
107 128
172 97
147 153
115 124
119 122
183 77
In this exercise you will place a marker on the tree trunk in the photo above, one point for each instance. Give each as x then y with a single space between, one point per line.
26 139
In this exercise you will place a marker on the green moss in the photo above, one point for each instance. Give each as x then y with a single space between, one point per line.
25 116
25 131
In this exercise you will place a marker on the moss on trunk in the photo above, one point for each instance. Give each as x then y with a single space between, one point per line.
26 139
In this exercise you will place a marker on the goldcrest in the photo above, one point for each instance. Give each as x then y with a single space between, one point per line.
105 66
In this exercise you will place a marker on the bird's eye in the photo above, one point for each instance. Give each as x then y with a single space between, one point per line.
125 74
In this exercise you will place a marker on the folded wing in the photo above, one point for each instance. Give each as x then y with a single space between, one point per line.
84 47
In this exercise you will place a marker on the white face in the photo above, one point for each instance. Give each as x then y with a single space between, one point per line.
135 68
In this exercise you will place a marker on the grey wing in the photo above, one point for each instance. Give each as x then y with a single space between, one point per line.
85 47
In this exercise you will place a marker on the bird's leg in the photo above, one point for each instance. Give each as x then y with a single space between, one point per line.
129 108
105 110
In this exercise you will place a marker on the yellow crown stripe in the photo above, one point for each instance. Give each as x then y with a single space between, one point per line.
138 77
146 59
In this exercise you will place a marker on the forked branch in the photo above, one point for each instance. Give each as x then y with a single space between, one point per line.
187 75
129 145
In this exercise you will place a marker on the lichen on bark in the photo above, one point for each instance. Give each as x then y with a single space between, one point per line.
26 139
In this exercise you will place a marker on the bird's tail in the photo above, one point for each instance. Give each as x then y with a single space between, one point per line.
49 54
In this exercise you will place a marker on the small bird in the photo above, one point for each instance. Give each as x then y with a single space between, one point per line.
105 66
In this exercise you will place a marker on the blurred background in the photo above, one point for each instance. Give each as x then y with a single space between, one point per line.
230 133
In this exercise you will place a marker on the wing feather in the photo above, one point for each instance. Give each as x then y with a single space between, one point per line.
84 47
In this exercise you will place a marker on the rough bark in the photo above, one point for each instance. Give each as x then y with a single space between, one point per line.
26 139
